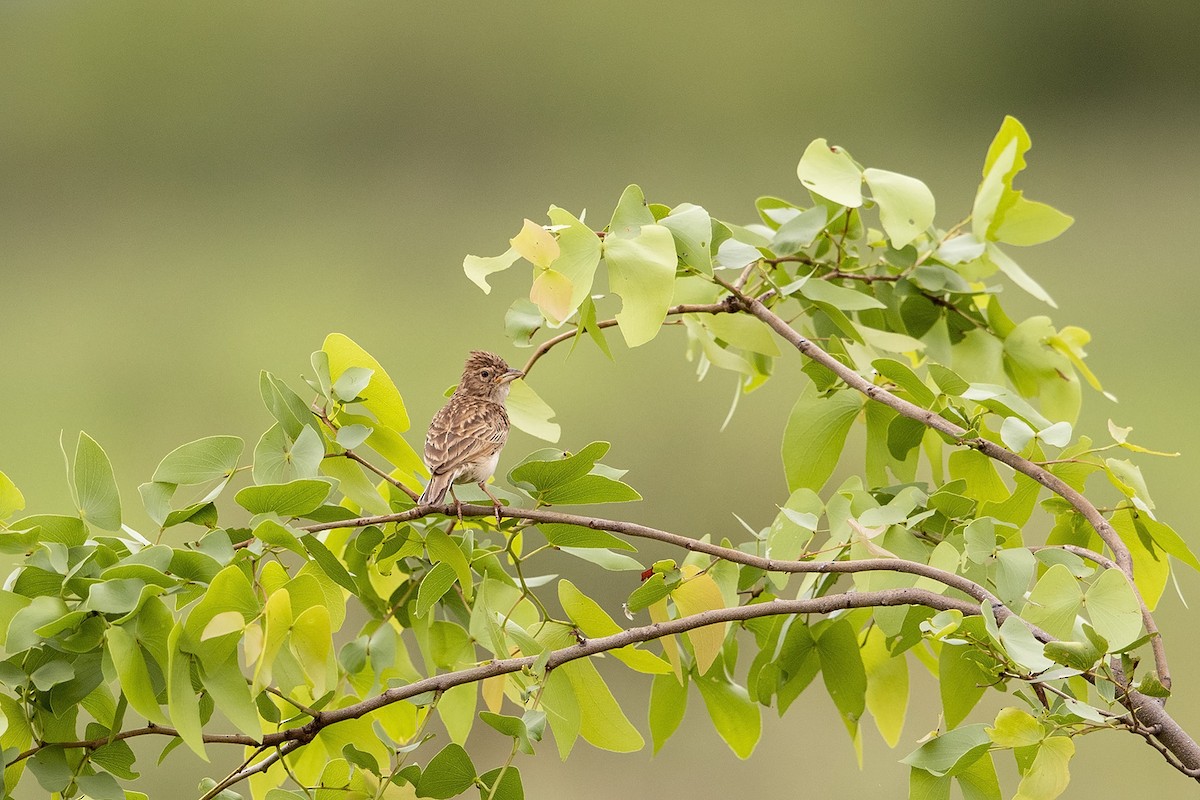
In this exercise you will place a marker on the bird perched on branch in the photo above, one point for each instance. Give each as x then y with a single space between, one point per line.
466 436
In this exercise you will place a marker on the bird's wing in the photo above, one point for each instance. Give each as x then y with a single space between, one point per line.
464 431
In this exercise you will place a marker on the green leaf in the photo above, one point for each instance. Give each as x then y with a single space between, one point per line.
924 785
1113 609
630 214
1028 222
602 723
478 268
530 413
443 549
331 566
1015 728
1022 648
668 701
277 459
830 172
906 206
1054 602
510 726
447 774
11 499
979 780
840 297
602 557
1047 777
800 231
435 584
590 489
578 536
692 228
201 461
95 486
903 376
641 271
579 254
1020 277
951 752
815 434
182 702
285 499
351 383
887 686
844 675
231 693
134 676
510 787
961 680
381 397
547 473
735 716
748 333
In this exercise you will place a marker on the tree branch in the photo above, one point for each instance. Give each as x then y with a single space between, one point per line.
997 452
686 308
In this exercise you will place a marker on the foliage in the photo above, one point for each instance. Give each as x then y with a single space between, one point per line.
947 555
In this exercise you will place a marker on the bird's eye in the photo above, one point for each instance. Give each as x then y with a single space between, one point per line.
485 374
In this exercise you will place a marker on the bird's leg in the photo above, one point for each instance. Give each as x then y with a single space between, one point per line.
495 500
457 504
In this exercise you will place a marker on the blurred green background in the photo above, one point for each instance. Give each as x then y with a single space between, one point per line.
190 192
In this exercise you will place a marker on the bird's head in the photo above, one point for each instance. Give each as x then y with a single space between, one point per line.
487 375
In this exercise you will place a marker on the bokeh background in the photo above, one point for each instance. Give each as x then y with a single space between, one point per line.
193 191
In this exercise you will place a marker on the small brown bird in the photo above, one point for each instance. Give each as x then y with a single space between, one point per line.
466 436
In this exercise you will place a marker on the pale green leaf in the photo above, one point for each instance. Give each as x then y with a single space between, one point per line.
435 584
579 254
11 499
952 751
602 722
815 433
1048 776
887 686
692 228
478 268
529 413
1113 609
830 172
285 499
1028 222
668 701
906 206
641 271
735 716
1015 728
95 485
200 461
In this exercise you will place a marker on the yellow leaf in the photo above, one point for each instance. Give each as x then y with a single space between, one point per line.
696 595
551 292
658 613
535 244
493 692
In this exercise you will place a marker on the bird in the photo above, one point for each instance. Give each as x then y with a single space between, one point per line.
465 437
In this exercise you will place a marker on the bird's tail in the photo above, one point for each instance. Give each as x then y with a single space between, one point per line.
435 492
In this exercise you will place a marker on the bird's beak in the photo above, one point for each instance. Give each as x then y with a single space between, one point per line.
510 376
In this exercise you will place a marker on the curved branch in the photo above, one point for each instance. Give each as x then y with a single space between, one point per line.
990 449
967 587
